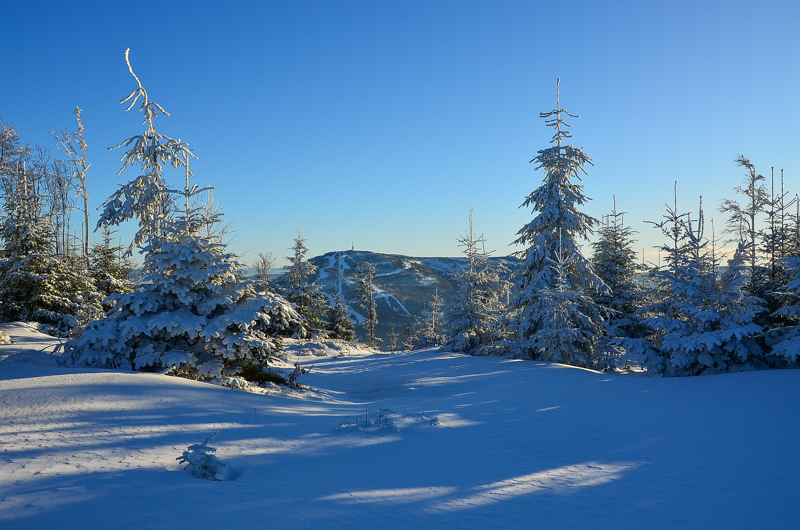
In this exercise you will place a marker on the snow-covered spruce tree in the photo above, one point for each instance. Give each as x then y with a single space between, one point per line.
698 327
411 335
26 240
738 308
191 310
301 290
785 341
11 151
364 289
429 333
200 461
558 222
474 317
564 334
658 289
741 223
614 262
792 241
785 319
73 177
112 272
340 326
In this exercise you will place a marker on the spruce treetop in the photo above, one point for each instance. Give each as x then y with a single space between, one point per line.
560 194
151 149
144 197
558 121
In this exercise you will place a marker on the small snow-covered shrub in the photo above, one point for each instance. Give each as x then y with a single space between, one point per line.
295 375
370 421
4 338
201 463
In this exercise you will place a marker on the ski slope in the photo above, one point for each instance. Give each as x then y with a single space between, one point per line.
407 440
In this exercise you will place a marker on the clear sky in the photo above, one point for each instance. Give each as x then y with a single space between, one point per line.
379 124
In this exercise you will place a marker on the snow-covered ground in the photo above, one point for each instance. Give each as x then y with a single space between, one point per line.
449 441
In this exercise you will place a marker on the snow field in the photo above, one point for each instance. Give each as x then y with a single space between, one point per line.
465 442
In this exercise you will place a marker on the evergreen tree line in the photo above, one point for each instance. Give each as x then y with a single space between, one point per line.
49 274
193 311
701 311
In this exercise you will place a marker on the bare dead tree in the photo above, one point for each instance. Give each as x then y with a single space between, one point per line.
61 204
74 146
262 266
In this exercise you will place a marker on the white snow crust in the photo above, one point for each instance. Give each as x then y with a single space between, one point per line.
408 440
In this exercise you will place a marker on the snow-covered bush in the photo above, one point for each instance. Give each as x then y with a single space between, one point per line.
295 375
260 375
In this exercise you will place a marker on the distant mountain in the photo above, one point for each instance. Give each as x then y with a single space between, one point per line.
404 285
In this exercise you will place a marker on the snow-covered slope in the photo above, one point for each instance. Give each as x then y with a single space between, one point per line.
411 440
403 284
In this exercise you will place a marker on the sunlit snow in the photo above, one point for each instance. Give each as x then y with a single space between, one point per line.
405 440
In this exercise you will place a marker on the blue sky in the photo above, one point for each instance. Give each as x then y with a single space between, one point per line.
379 124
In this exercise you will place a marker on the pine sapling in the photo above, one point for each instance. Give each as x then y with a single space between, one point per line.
201 463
